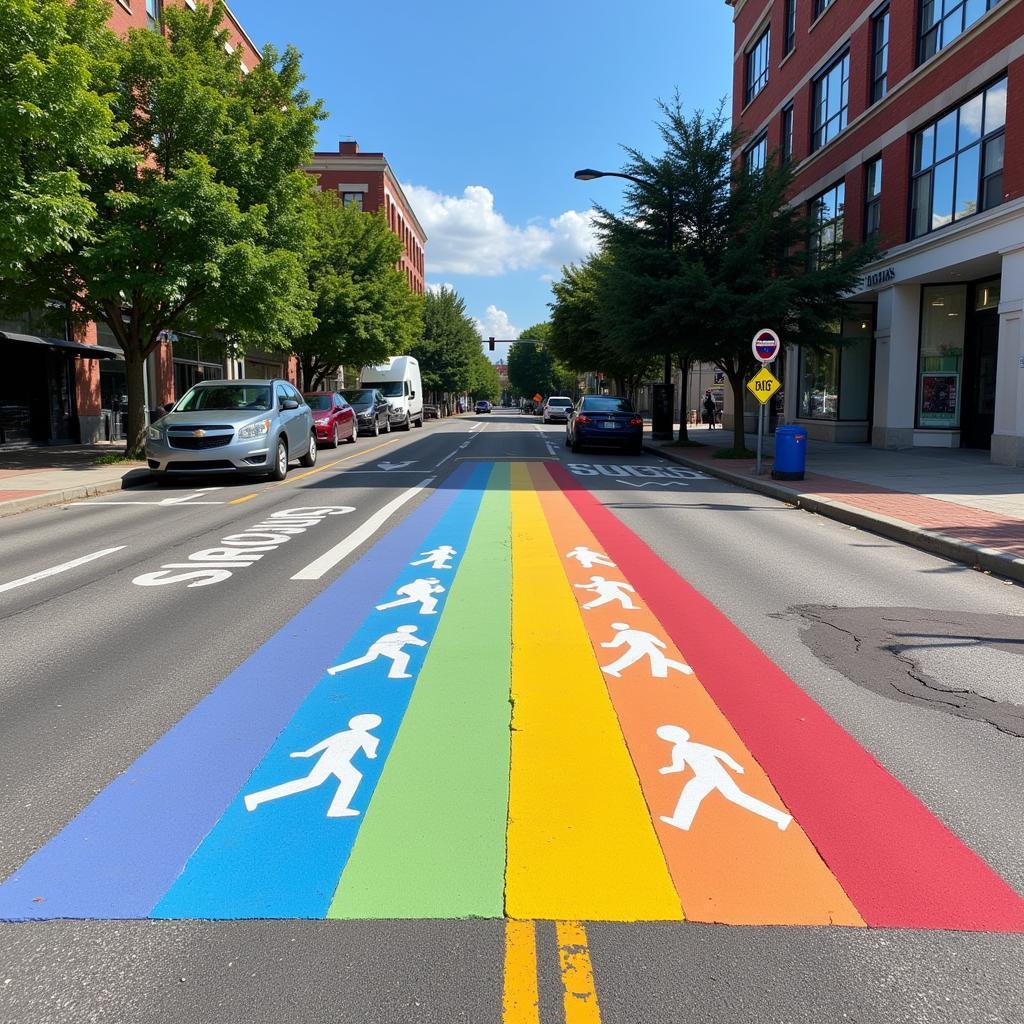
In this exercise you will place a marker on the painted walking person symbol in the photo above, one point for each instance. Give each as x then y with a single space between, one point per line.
608 591
439 558
709 773
336 754
641 645
391 645
588 559
418 592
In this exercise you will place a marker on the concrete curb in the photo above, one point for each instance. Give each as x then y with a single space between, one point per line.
990 559
50 498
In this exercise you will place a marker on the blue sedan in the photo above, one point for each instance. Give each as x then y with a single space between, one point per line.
604 421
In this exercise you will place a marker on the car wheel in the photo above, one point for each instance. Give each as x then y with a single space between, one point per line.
352 436
309 459
376 429
575 446
387 425
333 443
408 422
419 422
280 470
567 441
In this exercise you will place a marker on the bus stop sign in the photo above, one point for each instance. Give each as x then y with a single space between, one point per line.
766 345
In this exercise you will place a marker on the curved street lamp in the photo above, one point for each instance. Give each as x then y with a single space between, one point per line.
589 174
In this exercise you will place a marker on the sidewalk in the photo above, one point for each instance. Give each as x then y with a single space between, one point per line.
36 477
951 502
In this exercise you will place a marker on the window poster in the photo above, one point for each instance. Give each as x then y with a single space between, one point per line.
939 399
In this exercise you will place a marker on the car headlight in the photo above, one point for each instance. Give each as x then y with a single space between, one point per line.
154 433
259 429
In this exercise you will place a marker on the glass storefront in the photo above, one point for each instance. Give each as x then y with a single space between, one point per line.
940 362
835 381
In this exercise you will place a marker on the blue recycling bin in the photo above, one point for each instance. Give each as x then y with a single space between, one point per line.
790 453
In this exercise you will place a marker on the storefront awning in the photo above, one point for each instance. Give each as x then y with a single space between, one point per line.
71 347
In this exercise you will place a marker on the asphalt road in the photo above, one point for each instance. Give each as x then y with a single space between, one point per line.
916 658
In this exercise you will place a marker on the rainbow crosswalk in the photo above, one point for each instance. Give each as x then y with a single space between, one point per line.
510 707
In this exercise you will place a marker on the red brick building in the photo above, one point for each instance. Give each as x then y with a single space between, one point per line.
71 389
367 181
904 120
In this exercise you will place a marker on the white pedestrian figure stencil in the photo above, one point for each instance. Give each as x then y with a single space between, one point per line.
588 559
388 646
640 645
608 591
709 773
336 754
419 592
439 558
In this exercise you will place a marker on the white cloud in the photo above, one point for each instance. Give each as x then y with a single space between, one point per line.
436 287
466 235
496 324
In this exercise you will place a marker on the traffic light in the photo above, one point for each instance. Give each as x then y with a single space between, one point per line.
490 344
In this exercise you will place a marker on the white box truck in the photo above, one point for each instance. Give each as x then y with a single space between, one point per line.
399 381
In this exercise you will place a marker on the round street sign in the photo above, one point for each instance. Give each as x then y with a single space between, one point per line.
766 345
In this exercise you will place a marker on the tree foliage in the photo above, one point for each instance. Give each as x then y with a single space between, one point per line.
202 224
535 368
449 349
56 121
364 308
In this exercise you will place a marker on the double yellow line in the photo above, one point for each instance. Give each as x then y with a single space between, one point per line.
521 996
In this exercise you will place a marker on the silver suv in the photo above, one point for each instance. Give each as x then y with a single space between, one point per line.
241 426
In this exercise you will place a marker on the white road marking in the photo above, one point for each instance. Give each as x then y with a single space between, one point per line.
185 499
654 483
359 536
63 567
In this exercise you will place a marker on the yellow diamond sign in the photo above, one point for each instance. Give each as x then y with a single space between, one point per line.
763 384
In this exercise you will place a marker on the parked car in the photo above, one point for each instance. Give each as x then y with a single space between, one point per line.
399 381
233 426
556 408
483 406
604 421
373 414
430 412
333 417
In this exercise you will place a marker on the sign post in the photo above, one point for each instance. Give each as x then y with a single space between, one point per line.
763 384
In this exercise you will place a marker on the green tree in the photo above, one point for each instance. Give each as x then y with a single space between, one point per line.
484 379
449 349
204 225
364 309
54 57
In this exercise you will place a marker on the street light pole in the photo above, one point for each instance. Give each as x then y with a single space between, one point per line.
589 174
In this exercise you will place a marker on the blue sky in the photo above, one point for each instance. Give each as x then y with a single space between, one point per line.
484 110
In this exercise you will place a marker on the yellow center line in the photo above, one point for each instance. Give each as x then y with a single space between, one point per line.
520 1001
579 996
337 462
244 497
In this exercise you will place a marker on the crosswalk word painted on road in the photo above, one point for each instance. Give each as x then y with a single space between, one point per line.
511 707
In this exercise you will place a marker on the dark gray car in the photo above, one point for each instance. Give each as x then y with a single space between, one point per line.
234 426
373 413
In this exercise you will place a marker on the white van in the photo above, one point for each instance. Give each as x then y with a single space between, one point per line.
399 380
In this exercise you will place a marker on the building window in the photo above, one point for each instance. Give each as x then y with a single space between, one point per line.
826 234
756 154
942 21
757 64
153 14
873 198
789 27
821 6
831 97
940 360
958 162
879 54
787 133
835 381
352 199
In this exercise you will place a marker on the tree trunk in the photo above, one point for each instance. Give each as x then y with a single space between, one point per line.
135 428
739 440
684 366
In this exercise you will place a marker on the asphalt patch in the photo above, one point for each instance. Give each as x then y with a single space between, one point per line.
881 649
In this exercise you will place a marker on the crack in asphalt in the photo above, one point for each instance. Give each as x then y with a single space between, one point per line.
871 648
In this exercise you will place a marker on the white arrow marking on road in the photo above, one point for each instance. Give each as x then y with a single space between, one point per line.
188 499
63 567
360 535
388 466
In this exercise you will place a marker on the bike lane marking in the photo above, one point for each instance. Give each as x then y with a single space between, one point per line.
898 864
578 825
433 843
118 857
729 866
282 843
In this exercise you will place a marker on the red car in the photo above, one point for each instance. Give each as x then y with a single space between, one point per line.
333 417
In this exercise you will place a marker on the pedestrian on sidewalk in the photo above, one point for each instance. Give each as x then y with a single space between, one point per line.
709 408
